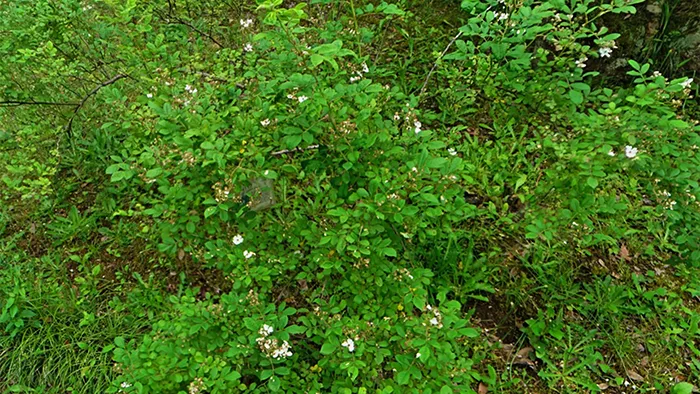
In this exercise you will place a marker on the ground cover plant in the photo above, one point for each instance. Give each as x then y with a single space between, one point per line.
354 196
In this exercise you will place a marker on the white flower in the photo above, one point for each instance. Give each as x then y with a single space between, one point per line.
291 96
418 355
686 84
265 330
302 99
434 321
656 74
581 63
246 23
282 351
149 95
248 47
611 153
417 126
397 116
501 16
265 122
605 52
452 151
355 78
630 151
248 254
365 69
125 385
238 239
349 344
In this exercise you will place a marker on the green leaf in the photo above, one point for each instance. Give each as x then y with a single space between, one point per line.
119 341
592 182
152 173
210 211
469 332
274 384
446 390
316 59
403 377
576 97
328 348
682 388
293 141
393 9
207 145
294 329
390 252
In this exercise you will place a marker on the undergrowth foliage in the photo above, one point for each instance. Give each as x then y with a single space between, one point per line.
348 215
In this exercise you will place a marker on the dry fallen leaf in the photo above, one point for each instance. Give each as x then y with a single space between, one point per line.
603 386
624 253
522 358
644 362
180 254
483 389
635 376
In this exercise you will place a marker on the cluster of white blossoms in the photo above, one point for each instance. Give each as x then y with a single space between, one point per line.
265 122
349 344
271 346
246 23
248 47
124 385
196 386
191 90
436 320
686 84
501 16
668 203
452 151
607 49
358 74
417 125
237 240
300 99
630 152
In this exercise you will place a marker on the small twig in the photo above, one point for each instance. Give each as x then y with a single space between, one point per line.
282 152
218 79
191 26
16 103
93 92
425 84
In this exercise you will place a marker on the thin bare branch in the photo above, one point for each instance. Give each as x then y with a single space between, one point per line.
16 103
93 92
425 84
